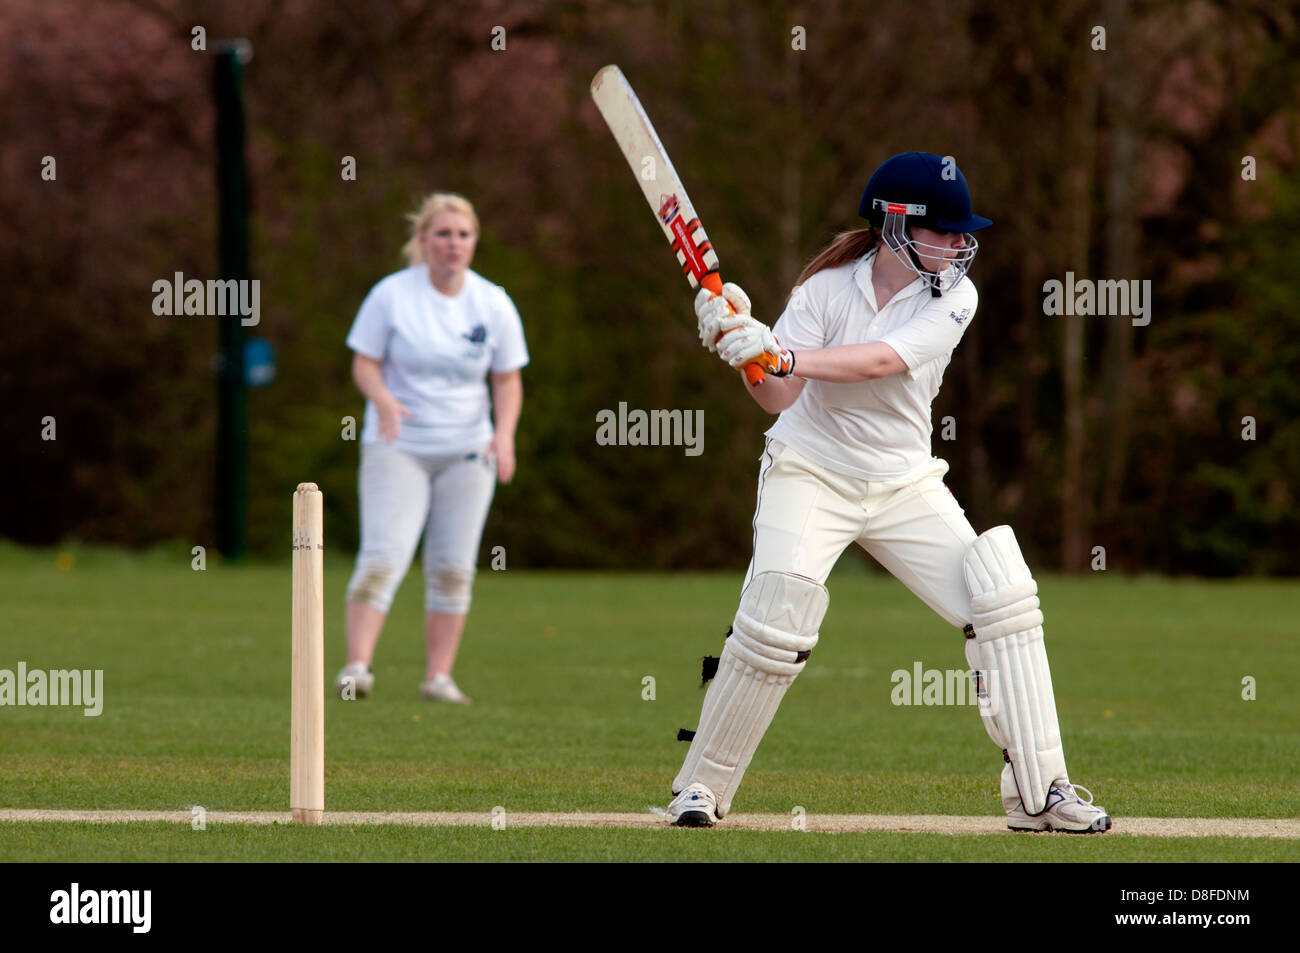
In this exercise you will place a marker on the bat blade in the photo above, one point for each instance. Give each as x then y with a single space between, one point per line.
654 172
660 184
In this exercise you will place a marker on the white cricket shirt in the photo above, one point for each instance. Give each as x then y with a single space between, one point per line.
436 352
877 429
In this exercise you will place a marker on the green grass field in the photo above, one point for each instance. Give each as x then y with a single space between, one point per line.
1148 677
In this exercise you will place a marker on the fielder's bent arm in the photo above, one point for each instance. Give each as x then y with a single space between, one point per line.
507 402
369 376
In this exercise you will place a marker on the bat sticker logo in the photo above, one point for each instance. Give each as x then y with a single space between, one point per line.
668 208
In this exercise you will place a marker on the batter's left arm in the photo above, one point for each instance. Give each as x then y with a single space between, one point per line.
849 362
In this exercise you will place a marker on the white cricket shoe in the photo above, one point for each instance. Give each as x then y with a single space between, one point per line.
355 680
441 688
1065 811
694 807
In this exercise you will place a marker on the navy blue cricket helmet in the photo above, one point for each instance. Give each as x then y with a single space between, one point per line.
926 190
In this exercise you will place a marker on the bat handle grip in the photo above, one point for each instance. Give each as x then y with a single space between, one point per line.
753 370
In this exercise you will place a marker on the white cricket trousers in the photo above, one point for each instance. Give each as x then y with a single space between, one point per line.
808 515
404 495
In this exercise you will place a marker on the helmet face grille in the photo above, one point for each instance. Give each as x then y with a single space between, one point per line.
953 262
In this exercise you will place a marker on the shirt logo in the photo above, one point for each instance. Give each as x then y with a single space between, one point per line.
477 336
960 318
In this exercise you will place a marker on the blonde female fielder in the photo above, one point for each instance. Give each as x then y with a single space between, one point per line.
861 350
426 339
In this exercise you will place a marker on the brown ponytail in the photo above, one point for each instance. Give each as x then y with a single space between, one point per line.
844 248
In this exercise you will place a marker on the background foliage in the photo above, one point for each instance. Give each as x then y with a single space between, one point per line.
1081 432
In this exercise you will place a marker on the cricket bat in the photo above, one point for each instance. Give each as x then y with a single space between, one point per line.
661 186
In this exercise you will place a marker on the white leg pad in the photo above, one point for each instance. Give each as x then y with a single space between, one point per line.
1016 700
775 630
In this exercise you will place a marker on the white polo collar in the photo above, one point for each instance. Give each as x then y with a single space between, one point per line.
862 272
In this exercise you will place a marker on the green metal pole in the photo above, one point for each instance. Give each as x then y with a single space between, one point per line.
232 254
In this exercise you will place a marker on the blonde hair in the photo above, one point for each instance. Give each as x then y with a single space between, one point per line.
844 248
430 207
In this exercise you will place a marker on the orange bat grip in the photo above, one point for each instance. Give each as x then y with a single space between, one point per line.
753 370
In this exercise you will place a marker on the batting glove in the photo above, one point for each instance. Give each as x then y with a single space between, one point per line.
710 309
746 340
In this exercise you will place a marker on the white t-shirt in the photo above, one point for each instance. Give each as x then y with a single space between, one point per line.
878 429
436 352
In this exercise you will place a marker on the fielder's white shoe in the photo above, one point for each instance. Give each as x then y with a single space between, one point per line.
1065 811
694 807
355 680
441 688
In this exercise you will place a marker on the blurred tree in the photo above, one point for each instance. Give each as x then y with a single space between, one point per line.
1120 95
1124 162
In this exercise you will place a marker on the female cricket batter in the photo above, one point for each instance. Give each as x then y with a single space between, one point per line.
864 341
426 338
